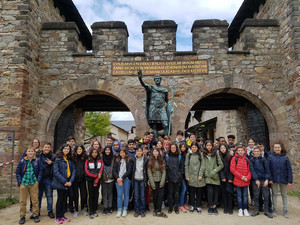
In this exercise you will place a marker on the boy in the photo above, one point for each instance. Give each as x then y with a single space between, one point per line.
260 172
71 141
179 138
29 175
139 177
130 148
230 139
46 158
239 167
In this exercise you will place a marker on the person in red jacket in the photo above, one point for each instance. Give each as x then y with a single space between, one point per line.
93 171
239 167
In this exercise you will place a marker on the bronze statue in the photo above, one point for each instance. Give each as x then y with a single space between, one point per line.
158 108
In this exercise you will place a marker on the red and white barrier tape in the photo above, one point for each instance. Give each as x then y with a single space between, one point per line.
7 163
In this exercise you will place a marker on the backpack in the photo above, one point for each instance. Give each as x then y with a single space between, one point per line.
237 159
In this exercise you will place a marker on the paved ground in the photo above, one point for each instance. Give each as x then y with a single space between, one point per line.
10 216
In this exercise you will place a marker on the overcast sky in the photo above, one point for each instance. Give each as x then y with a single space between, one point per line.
135 12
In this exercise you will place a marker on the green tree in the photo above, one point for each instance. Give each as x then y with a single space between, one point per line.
98 123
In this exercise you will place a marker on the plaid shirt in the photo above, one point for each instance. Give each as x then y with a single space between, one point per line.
29 177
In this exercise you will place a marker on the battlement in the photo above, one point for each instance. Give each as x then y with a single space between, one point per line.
111 37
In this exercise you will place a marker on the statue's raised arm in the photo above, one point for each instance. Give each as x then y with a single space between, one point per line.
140 75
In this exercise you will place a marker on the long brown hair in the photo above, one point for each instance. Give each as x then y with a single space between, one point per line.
213 150
225 155
161 162
177 149
123 149
81 157
283 150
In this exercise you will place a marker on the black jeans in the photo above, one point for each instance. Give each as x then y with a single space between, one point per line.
212 194
93 195
227 198
195 196
83 194
173 199
158 195
265 191
107 196
61 202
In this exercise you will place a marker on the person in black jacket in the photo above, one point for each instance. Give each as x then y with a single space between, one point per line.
174 174
226 179
123 174
139 181
46 158
79 157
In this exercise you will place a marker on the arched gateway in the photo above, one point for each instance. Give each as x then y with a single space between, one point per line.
45 67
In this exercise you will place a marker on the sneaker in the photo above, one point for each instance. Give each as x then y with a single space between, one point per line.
51 215
154 213
36 219
143 214
22 220
230 212
119 213
170 210
65 219
199 210
83 212
186 206
104 213
71 210
192 209
270 215
161 214
215 211
275 213
285 214
136 213
225 211
240 213
58 221
75 215
109 211
210 211
31 217
182 209
255 213
92 216
95 214
246 212
124 214
176 209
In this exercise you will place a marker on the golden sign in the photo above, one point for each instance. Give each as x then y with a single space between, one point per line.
161 67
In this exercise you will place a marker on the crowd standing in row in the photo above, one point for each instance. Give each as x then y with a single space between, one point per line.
181 174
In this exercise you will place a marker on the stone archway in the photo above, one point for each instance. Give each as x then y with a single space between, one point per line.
53 107
265 100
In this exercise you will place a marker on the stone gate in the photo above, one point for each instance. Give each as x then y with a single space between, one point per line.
45 66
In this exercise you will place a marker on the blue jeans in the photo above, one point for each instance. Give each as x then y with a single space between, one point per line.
45 185
139 196
242 197
123 190
182 200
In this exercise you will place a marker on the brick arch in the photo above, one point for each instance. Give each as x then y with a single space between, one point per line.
265 100
61 98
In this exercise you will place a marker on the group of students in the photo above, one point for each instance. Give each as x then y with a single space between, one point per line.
181 174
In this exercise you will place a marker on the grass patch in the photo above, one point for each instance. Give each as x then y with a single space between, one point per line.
7 202
294 193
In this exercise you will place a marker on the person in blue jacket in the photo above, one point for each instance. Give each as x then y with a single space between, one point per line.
29 174
63 178
260 171
281 175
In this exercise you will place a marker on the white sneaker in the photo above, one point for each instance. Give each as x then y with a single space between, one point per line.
240 213
246 212
83 212
75 215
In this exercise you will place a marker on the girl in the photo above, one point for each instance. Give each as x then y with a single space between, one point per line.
79 157
122 173
96 145
157 176
174 171
139 177
213 165
239 167
63 178
161 149
194 173
281 175
226 179
251 145
107 179
167 143
93 171
116 148
183 207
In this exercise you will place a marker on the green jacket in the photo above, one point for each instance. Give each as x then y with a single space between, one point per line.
156 176
195 168
212 169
